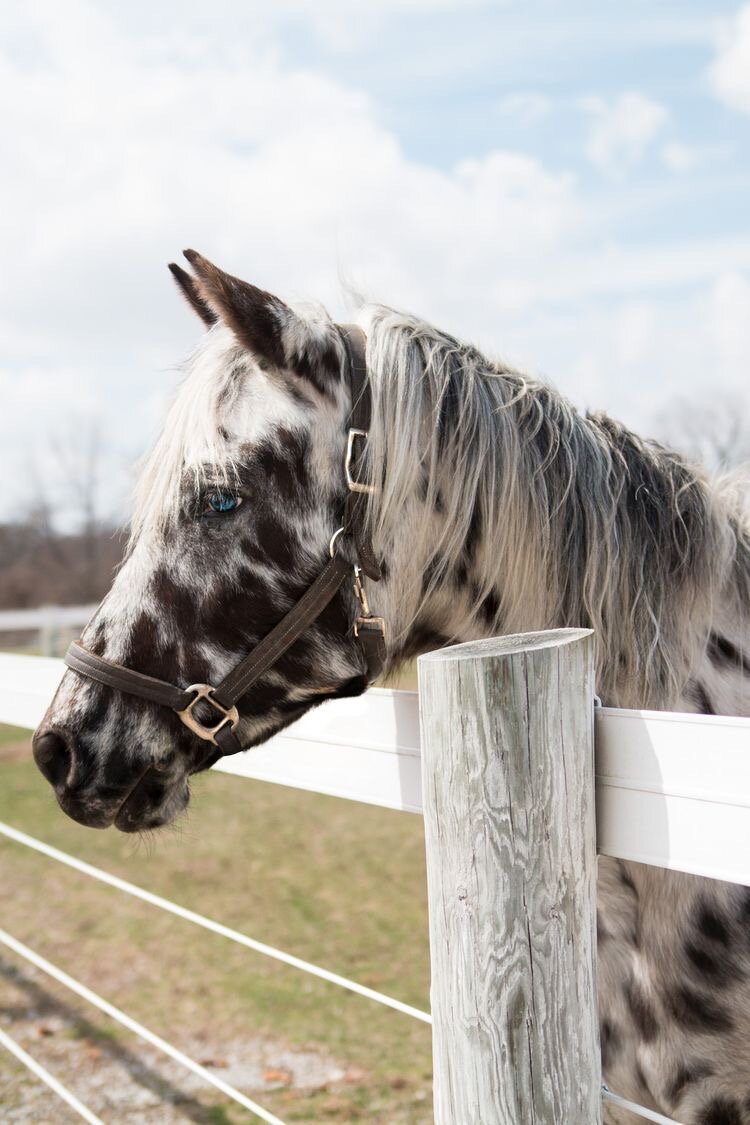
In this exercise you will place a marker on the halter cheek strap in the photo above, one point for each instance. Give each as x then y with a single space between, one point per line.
367 628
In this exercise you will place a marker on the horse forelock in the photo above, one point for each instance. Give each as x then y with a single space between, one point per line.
225 402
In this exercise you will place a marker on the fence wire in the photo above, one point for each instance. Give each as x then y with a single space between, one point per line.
48 1079
209 924
137 1028
638 1110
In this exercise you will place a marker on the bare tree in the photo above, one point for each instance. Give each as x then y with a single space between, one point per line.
77 452
76 544
713 429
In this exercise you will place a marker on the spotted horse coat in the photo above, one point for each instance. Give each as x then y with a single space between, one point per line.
498 508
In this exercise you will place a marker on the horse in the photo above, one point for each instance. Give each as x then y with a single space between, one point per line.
490 505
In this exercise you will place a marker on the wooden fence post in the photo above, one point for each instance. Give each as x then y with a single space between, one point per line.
508 792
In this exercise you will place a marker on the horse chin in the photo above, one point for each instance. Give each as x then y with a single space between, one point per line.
152 804
89 813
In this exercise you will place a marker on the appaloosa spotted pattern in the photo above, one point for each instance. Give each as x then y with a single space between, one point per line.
499 509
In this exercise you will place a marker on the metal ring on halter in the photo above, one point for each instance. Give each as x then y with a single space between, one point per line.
332 544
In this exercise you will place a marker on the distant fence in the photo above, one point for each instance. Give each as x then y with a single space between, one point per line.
54 625
507 786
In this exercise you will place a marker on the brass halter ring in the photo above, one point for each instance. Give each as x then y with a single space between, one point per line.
208 734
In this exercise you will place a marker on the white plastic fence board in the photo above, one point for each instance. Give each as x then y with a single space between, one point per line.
45 616
27 684
672 789
365 749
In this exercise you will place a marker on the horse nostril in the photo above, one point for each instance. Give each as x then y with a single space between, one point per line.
53 755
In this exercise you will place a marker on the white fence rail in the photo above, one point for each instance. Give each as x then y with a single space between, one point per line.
53 624
43 616
137 1028
671 790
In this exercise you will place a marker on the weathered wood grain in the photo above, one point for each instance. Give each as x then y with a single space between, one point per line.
508 790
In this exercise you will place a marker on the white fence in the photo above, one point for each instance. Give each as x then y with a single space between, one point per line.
671 790
53 624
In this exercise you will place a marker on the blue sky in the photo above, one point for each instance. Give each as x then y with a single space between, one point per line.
564 184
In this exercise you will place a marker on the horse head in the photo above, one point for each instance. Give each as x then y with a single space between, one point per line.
235 514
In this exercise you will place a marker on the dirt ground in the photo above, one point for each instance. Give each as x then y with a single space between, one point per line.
135 1083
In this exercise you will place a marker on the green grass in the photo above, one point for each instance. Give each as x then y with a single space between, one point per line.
12 734
337 883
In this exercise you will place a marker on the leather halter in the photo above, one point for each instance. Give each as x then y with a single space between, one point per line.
367 628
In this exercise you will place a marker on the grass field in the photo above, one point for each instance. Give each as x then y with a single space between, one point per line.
337 883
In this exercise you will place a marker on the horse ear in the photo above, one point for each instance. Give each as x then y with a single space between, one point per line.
190 292
267 327
258 319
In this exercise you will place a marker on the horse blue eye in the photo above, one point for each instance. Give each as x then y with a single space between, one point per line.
220 502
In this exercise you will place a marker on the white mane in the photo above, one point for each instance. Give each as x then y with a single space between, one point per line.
542 516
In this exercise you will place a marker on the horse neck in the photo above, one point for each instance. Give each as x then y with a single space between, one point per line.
533 517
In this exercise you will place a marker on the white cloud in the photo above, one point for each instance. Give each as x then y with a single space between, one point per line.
119 149
119 153
622 130
729 74
683 346
679 157
122 154
526 106
633 341
730 326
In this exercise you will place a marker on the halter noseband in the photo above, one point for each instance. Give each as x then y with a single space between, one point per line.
368 629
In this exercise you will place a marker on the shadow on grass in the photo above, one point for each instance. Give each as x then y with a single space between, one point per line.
45 1003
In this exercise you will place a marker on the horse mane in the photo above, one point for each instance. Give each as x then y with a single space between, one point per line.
552 517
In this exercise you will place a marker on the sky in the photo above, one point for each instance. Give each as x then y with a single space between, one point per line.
564 184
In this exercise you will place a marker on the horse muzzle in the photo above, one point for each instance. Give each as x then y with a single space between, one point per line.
149 797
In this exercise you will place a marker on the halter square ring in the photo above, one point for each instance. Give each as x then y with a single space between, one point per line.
352 484
208 734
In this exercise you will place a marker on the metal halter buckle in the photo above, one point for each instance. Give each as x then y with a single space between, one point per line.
208 734
365 617
352 484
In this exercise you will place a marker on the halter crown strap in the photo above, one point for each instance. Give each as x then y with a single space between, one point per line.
369 630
